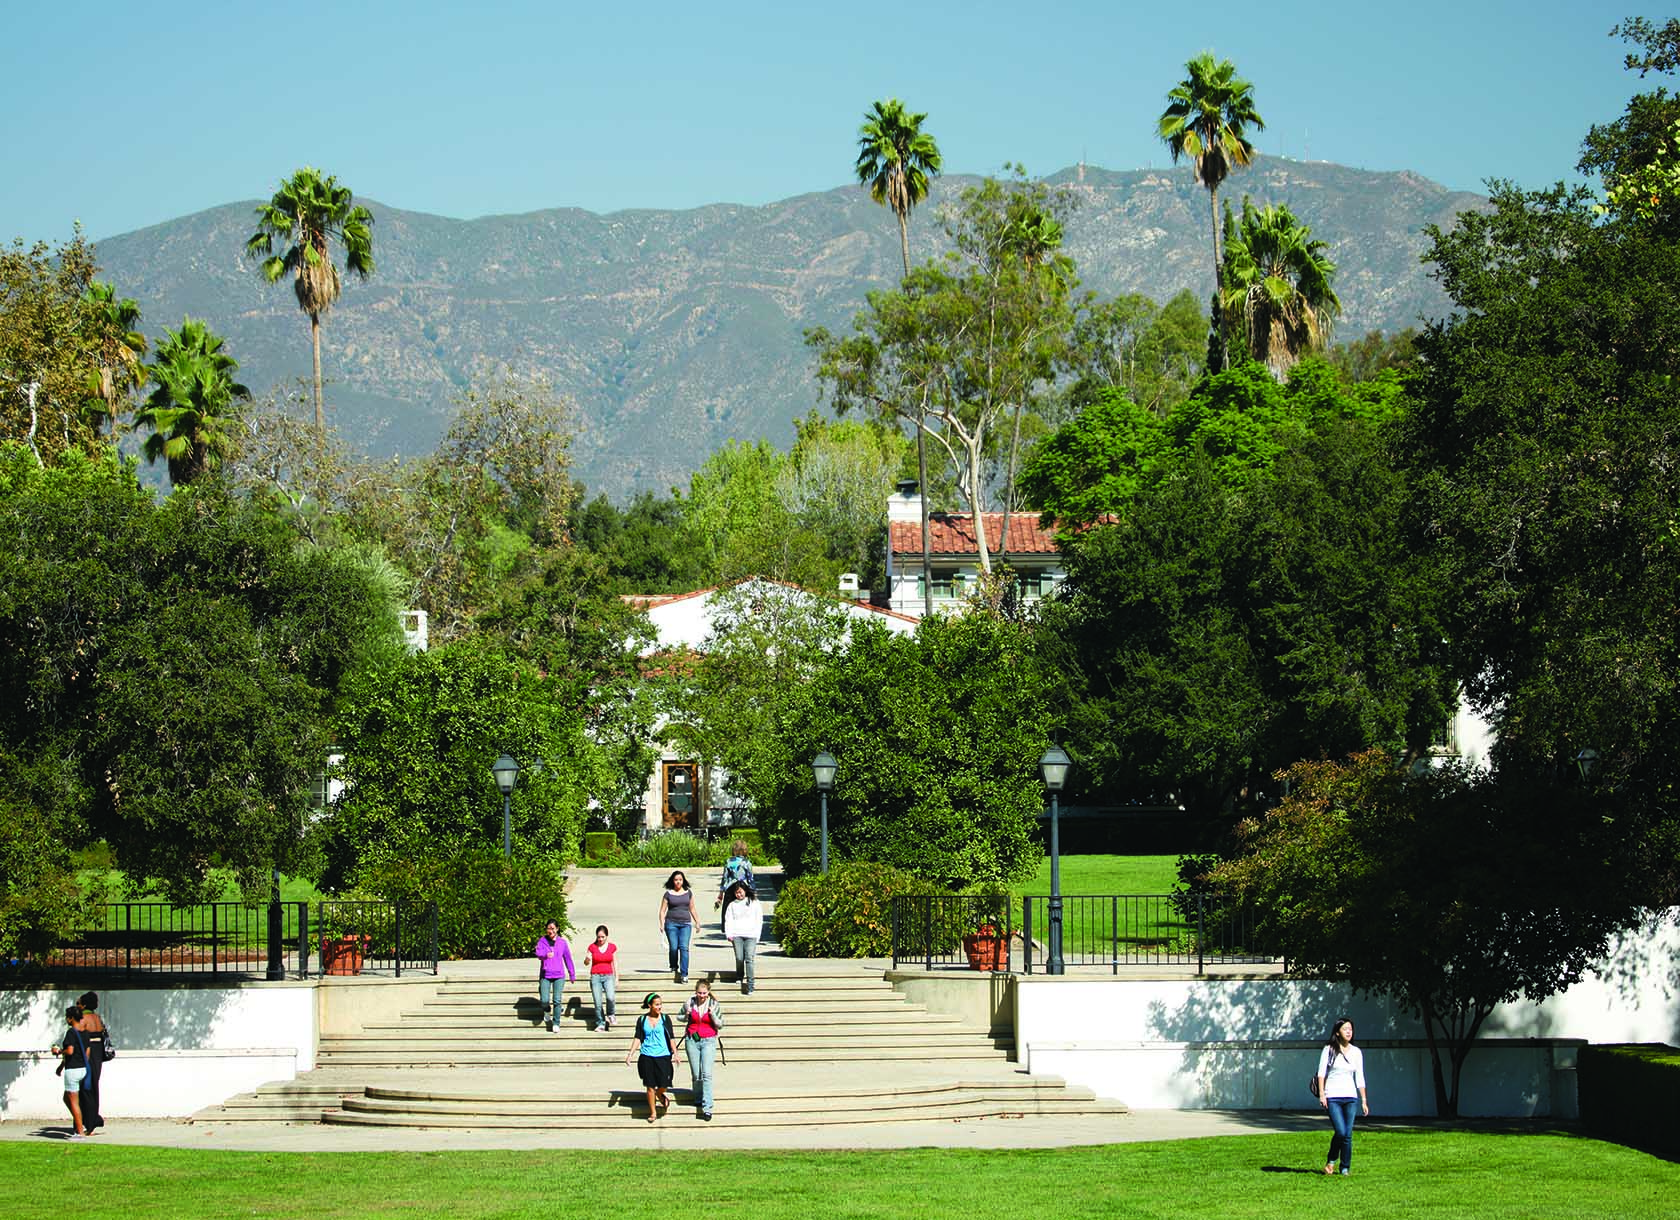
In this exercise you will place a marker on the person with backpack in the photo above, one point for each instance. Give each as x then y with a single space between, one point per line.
653 1050
1341 1089
702 1019
735 869
743 925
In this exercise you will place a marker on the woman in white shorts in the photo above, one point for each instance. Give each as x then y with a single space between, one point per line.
73 1052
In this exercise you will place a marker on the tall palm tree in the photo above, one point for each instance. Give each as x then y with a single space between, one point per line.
1277 293
119 344
896 161
191 407
1207 119
310 211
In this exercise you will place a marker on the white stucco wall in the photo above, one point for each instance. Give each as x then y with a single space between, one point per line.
179 1049
1250 1043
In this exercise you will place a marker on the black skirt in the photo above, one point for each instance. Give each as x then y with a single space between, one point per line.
655 1070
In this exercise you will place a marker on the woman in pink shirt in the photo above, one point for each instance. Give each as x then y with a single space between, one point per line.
603 978
556 971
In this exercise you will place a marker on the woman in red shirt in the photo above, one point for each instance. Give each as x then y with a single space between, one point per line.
701 1021
603 979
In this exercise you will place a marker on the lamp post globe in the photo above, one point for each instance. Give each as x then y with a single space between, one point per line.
506 771
823 767
1053 769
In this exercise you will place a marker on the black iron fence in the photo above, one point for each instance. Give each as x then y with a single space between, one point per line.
240 942
1106 931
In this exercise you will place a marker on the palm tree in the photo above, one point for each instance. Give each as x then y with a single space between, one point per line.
896 160
120 345
1277 292
190 409
310 211
1206 120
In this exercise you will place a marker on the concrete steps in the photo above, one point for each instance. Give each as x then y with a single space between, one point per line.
578 1111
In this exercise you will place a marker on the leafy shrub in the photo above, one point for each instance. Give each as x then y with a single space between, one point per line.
667 849
599 844
847 913
1624 1094
488 906
40 902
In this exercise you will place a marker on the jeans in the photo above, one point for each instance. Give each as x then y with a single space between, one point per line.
702 1052
1342 1111
745 947
550 990
604 987
677 936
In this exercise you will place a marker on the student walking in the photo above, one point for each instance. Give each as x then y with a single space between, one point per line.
738 868
652 1050
72 1053
702 1018
603 978
743 925
97 1043
1341 1090
676 921
554 973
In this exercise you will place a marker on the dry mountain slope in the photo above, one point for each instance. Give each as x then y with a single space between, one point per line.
675 330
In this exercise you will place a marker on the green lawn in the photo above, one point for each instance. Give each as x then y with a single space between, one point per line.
292 889
1399 1175
1107 875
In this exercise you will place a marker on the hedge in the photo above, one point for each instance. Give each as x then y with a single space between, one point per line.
845 914
1627 1095
488 906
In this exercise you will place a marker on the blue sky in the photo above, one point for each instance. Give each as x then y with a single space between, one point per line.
126 115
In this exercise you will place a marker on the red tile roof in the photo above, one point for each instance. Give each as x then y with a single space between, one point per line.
953 534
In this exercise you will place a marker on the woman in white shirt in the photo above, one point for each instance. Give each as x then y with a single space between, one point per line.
743 924
1341 1088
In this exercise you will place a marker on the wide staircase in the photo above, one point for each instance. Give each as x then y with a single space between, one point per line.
835 1045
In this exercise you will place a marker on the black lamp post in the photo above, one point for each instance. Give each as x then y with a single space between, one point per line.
276 933
823 767
1053 767
506 771
1587 763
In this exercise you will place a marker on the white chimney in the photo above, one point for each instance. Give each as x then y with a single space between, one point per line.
905 504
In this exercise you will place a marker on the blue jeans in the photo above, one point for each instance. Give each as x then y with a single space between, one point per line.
677 936
549 990
1342 1112
701 1054
604 987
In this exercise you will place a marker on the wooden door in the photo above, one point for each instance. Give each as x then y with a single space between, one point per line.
681 803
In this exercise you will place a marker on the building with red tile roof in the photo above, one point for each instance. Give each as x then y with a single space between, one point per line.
954 554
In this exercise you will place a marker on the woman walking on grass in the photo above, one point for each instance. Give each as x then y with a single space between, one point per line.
653 1048
676 921
603 978
556 971
1341 1090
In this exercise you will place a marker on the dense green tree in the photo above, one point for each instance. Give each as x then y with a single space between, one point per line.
938 737
1207 119
1154 354
171 666
192 408
1375 354
1451 890
1239 617
1275 296
896 161
417 780
1095 464
308 215
644 545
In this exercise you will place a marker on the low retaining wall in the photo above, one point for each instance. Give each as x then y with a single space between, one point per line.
180 1046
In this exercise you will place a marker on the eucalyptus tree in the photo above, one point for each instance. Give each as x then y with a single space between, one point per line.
191 409
896 160
308 214
1277 293
1207 119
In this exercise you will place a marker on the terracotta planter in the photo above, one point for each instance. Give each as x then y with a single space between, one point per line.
986 950
343 954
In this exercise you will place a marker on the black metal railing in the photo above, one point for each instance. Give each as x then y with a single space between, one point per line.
377 937
239 942
1098 932
953 930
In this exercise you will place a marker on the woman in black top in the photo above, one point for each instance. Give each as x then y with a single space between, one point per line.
73 1052
95 1038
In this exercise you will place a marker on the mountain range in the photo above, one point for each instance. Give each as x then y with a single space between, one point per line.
674 331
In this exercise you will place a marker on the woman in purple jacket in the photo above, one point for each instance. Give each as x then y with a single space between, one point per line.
557 970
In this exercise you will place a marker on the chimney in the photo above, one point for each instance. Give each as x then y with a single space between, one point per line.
905 504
